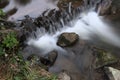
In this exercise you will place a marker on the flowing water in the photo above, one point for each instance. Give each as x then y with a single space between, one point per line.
78 61
87 24
33 8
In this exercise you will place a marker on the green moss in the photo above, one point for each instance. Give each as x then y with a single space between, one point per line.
104 57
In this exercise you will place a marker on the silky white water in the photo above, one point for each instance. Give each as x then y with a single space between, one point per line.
89 25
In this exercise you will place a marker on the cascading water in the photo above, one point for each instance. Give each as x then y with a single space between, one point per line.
41 35
89 24
84 21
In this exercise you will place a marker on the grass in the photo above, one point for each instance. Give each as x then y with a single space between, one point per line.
12 65
17 69
10 40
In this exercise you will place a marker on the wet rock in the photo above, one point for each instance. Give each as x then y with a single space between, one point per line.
11 12
7 24
104 7
115 6
52 57
28 24
109 7
75 3
23 2
113 74
49 59
104 58
29 52
45 61
67 39
3 3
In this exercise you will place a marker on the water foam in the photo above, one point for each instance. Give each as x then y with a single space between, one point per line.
89 25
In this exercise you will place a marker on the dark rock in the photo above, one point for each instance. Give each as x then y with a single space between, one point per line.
45 61
52 57
29 53
104 7
104 57
28 24
109 7
11 12
67 39
7 24
3 3
49 59
23 2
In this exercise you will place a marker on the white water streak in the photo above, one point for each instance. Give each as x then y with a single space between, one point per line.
89 25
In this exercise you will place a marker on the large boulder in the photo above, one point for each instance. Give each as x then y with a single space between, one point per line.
67 39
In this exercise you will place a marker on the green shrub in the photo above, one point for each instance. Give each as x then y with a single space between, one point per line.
1 12
2 52
10 40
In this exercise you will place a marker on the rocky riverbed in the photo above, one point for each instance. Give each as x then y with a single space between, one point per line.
82 61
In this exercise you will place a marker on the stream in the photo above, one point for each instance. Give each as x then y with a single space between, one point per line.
33 8
77 60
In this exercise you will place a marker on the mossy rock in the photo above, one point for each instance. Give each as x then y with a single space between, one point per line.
105 58
67 39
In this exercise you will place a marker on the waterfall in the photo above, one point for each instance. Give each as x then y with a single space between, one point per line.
88 25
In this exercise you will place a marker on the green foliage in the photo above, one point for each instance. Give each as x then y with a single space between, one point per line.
12 63
10 40
53 77
31 73
17 78
2 52
1 12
